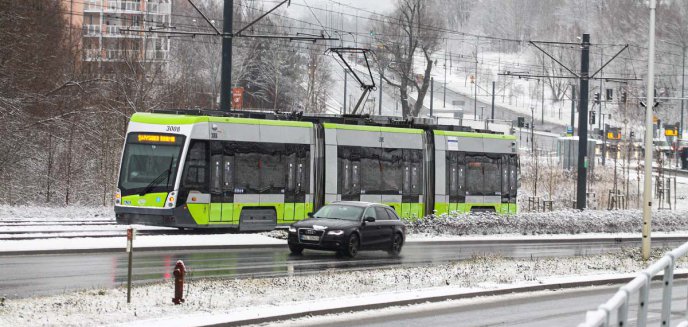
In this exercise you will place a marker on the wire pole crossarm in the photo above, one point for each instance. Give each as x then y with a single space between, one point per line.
609 61
262 16
555 60
217 32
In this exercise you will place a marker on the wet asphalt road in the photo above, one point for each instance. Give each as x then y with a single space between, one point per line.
28 275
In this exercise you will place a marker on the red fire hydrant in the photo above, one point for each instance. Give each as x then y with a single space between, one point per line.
179 272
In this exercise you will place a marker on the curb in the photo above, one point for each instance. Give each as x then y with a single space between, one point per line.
434 299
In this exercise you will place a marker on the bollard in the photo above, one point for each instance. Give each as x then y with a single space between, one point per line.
179 272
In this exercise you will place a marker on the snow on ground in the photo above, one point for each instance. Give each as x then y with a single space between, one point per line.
214 300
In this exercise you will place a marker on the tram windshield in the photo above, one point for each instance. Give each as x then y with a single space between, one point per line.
149 163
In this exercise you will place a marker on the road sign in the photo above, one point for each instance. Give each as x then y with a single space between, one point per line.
237 97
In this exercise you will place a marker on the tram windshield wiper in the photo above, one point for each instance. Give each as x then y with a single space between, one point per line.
165 174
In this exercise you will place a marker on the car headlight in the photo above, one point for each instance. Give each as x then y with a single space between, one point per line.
335 232
292 229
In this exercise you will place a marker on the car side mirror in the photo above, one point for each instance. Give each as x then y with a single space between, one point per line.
370 219
310 215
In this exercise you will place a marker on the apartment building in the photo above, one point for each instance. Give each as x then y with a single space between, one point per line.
104 24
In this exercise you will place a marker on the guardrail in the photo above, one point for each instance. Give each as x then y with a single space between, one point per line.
641 285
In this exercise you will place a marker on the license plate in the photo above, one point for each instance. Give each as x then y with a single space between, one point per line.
310 238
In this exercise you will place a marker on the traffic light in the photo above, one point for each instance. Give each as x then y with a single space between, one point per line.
592 118
596 97
623 97
610 94
521 121
632 135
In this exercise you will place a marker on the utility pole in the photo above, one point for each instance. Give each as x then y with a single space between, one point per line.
532 131
493 99
683 81
379 113
581 185
444 95
226 81
475 80
344 108
647 182
542 120
573 109
432 93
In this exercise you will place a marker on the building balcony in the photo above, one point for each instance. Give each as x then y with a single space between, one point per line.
91 30
123 6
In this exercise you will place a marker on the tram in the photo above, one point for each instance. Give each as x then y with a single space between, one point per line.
257 171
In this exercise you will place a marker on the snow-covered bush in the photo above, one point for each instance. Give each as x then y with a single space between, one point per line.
557 222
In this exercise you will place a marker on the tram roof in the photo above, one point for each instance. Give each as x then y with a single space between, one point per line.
361 120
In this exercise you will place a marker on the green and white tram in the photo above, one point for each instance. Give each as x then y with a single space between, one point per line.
257 171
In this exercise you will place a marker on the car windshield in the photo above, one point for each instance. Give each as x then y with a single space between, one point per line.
337 211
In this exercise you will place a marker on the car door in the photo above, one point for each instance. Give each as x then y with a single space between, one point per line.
386 226
370 231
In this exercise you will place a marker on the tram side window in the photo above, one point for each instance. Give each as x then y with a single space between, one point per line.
456 173
391 164
349 168
196 166
483 176
513 177
370 171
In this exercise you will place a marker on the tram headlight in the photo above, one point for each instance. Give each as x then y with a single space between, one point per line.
170 199
118 197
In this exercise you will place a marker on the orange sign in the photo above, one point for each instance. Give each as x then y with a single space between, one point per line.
237 97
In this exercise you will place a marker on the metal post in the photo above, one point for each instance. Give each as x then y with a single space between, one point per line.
380 104
130 248
493 99
581 186
344 108
226 82
647 191
432 93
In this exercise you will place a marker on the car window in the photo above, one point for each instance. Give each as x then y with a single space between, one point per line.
336 211
392 214
370 212
381 213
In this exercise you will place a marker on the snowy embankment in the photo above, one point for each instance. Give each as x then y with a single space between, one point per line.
557 222
214 301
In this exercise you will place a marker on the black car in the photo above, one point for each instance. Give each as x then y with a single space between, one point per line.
348 227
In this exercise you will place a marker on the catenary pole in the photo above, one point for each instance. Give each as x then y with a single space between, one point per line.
683 88
493 99
226 82
344 108
432 94
581 184
647 182
379 113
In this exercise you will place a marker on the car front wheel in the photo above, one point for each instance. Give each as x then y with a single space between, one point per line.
352 246
295 248
397 243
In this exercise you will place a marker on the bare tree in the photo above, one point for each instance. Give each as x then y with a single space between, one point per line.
412 28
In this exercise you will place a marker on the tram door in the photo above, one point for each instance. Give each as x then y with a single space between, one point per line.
221 182
296 186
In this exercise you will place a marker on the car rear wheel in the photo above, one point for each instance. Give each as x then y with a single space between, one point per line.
352 246
397 243
295 248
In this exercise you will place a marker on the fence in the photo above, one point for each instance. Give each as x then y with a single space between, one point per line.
641 285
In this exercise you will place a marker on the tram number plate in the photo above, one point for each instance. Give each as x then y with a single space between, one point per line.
310 238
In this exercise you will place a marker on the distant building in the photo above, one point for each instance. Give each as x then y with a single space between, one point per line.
102 24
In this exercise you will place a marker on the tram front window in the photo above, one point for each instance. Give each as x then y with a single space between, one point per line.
149 163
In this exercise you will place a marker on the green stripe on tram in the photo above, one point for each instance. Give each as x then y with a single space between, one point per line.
229 213
166 119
